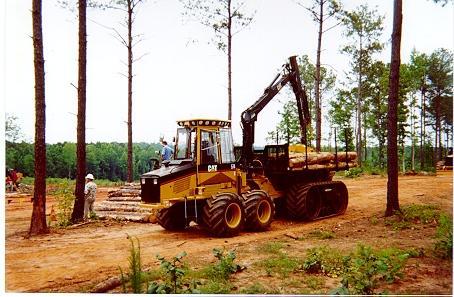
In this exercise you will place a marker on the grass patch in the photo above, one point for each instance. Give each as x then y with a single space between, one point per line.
374 221
323 260
443 245
271 247
413 214
314 282
280 264
256 288
214 287
321 234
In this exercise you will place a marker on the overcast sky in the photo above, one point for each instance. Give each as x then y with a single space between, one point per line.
182 75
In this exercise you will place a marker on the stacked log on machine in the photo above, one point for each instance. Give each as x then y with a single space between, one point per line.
322 160
123 204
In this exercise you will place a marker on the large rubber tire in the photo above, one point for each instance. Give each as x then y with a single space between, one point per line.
172 218
259 209
303 202
224 215
335 202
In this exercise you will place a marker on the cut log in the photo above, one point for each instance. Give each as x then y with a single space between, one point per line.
350 155
126 198
118 215
107 285
298 160
124 193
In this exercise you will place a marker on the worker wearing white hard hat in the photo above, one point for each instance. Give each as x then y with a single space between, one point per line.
90 193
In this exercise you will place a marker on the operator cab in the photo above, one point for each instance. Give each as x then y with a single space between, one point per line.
203 158
216 143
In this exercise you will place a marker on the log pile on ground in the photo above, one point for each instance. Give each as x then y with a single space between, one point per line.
322 160
123 204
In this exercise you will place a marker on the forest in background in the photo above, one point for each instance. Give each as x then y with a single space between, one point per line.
104 160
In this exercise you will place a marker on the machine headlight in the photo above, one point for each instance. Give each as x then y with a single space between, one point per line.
155 181
143 181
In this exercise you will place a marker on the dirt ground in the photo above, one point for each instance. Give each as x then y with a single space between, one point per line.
76 259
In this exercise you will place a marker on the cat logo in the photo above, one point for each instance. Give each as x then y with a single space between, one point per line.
212 168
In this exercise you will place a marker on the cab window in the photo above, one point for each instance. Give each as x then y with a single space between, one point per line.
228 155
209 147
182 145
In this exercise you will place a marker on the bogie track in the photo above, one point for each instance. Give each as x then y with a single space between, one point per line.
316 200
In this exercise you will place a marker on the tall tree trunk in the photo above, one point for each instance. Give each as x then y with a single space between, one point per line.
38 223
392 204
359 143
130 156
437 119
365 138
413 135
403 156
421 145
440 141
380 154
424 129
229 59
78 211
318 99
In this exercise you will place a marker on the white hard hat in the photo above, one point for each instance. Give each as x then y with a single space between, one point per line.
90 176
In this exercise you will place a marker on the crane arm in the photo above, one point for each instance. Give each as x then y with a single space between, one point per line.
290 73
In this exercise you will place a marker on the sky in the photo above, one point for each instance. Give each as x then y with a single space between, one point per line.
181 74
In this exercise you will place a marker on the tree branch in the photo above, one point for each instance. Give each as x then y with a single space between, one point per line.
332 27
139 58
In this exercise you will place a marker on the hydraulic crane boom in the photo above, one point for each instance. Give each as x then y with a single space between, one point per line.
289 74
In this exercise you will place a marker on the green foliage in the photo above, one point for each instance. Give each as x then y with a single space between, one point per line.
20 156
374 221
280 262
135 267
376 167
321 234
314 282
341 113
134 276
423 213
323 260
225 266
255 288
365 268
361 270
443 245
13 132
413 214
272 247
64 195
216 287
173 272
225 17
104 160
288 129
353 172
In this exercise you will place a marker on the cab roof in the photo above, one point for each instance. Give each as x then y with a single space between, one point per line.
204 122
